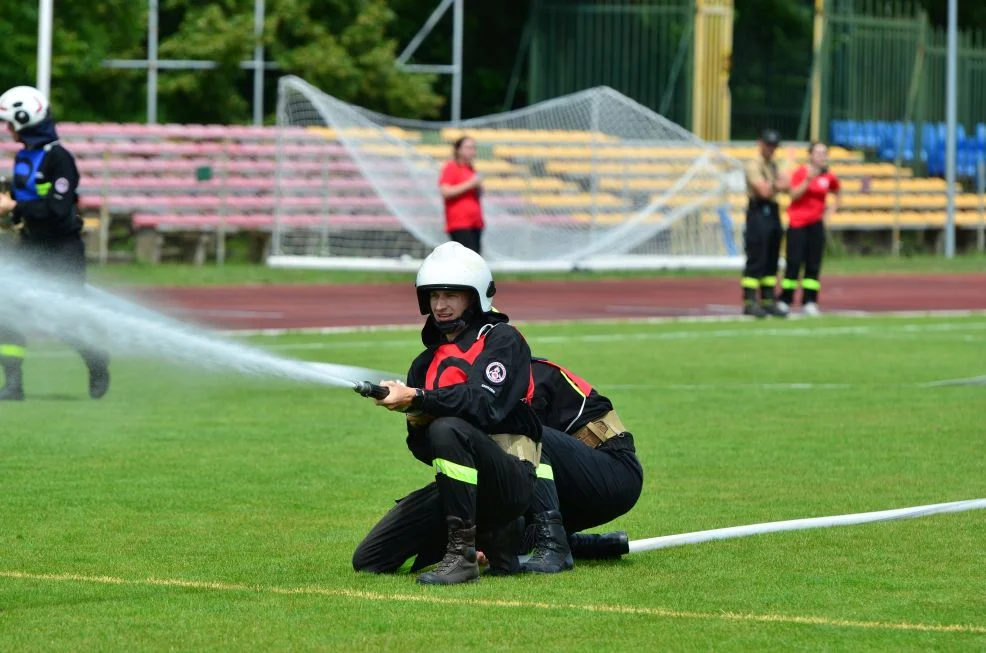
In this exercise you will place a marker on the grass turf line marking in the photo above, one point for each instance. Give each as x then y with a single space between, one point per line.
217 586
799 332
678 319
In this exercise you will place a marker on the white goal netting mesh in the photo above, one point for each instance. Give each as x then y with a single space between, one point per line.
591 179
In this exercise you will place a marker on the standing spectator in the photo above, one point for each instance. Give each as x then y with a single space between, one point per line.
810 186
461 188
763 229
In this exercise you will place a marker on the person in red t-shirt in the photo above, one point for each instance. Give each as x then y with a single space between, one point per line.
461 188
810 186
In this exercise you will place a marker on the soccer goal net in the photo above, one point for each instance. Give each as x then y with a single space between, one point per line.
591 180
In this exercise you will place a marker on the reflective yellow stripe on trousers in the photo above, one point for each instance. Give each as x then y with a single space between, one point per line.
12 351
456 471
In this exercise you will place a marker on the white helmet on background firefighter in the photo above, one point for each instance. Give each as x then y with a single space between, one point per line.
23 106
452 266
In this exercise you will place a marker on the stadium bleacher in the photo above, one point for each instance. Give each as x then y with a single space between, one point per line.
885 139
178 179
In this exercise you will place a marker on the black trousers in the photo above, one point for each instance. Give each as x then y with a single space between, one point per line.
414 533
63 261
805 247
468 238
762 240
590 486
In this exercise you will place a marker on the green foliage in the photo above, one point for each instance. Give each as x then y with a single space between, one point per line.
345 46
81 88
349 55
772 61
348 46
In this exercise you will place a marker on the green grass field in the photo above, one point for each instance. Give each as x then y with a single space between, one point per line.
208 512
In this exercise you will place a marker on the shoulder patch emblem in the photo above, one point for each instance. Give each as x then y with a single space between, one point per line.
496 372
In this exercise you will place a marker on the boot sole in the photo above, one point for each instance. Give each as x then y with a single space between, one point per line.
440 582
531 570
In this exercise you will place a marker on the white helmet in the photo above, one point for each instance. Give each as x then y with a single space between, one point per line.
23 106
451 266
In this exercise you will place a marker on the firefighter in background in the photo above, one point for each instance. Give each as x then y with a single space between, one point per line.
589 472
810 186
469 416
763 230
43 208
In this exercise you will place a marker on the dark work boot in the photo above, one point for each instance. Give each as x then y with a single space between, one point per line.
459 564
591 546
99 378
751 306
770 304
777 309
13 387
501 547
551 553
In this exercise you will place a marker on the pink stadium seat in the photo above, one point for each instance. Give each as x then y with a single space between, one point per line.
185 167
255 222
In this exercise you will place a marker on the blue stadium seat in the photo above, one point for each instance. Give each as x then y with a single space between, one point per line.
855 133
838 133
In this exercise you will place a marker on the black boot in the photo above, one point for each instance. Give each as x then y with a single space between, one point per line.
501 546
13 387
459 564
551 553
750 304
99 377
599 546
770 304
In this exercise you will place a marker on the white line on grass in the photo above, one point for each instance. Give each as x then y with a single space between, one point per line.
886 331
684 334
745 386
976 380
685 319
428 598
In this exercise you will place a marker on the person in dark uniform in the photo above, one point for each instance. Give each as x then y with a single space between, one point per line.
591 476
763 230
469 416
589 472
43 209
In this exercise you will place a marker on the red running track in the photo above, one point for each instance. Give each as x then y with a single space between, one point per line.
301 306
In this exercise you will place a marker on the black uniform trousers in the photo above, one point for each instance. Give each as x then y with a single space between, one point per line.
469 238
762 241
498 489
590 486
62 261
805 246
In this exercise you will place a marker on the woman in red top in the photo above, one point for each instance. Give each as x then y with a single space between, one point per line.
810 185
461 188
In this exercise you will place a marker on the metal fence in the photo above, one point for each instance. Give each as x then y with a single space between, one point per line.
876 55
642 48
770 73
873 59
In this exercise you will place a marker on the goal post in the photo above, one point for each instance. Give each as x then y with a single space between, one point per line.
591 180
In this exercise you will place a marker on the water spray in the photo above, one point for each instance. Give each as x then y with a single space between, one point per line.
35 303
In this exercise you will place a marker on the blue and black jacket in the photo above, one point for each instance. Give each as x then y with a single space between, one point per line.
44 185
